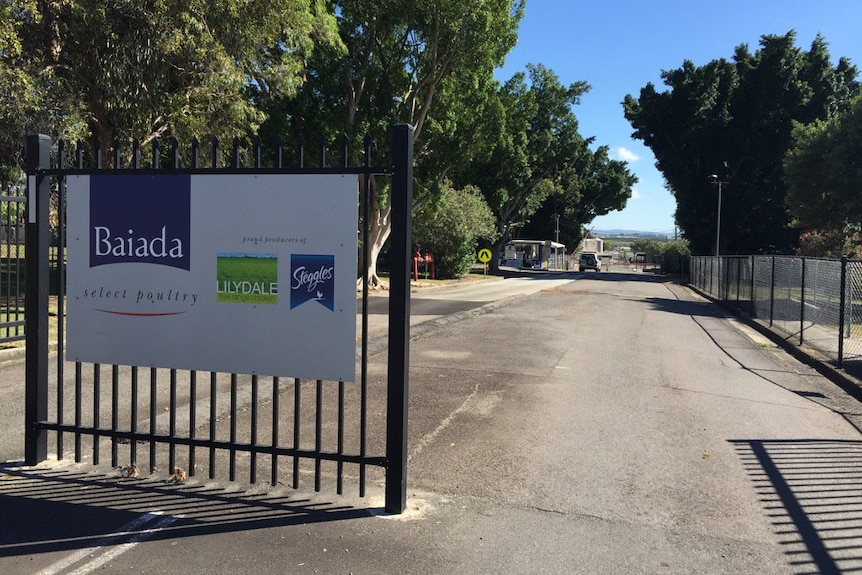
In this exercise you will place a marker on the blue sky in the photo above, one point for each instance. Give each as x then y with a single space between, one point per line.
618 47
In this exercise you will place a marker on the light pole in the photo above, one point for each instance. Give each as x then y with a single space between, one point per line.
716 180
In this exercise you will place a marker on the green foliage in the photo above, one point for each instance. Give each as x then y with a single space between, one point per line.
81 69
428 64
734 119
823 172
13 182
676 248
674 254
671 253
451 229
831 244
592 186
163 68
537 159
652 248
25 105
402 60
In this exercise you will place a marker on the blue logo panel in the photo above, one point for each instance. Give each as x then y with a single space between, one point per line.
143 219
312 278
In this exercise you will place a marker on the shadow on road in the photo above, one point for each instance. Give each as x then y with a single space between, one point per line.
611 276
47 510
810 489
682 307
421 306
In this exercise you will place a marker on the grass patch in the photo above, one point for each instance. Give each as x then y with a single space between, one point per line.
11 315
17 314
19 251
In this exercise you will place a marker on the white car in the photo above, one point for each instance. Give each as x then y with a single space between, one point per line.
589 261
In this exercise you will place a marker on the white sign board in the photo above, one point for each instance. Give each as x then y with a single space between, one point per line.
229 273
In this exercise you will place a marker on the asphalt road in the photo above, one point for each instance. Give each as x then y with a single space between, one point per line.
609 423
431 308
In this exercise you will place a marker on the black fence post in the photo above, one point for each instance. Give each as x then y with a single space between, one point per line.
842 314
728 279
399 319
38 239
753 306
772 295
802 307
713 278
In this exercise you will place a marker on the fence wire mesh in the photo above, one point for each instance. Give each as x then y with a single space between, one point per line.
822 313
787 295
762 287
853 311
800 298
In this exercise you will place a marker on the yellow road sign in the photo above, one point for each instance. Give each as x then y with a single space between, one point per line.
484 255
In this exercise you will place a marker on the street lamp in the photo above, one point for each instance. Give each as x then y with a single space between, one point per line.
557 228
716 180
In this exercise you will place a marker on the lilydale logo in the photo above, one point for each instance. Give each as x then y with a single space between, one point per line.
142 219
312 278
247 278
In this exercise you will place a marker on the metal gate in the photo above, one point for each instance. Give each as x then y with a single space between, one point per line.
12 264
192 421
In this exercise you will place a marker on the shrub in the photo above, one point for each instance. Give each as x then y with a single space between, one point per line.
450 229
830 244
674 255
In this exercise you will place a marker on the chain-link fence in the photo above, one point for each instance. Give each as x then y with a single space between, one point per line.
811 301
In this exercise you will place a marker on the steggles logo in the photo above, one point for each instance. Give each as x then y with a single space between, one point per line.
312 277
142 219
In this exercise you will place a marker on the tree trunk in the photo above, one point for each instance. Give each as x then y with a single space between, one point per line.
495 258
379 229
505 233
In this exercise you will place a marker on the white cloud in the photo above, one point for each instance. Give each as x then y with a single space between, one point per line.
626 155
636 195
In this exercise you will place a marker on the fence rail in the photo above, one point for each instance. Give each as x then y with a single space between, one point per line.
811 301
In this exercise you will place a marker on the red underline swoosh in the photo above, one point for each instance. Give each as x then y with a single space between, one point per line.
139 314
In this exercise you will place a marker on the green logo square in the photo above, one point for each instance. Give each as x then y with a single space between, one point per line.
247 278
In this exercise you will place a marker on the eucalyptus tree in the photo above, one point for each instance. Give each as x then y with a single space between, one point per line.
592 186
518 175
25 105
125 69
406 62
539 159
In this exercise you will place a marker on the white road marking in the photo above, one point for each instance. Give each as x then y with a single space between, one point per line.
429 437
106 544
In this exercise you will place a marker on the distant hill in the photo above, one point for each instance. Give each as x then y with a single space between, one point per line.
630 234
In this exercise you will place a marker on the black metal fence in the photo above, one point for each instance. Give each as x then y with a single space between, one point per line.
190 421
12 257
812 301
